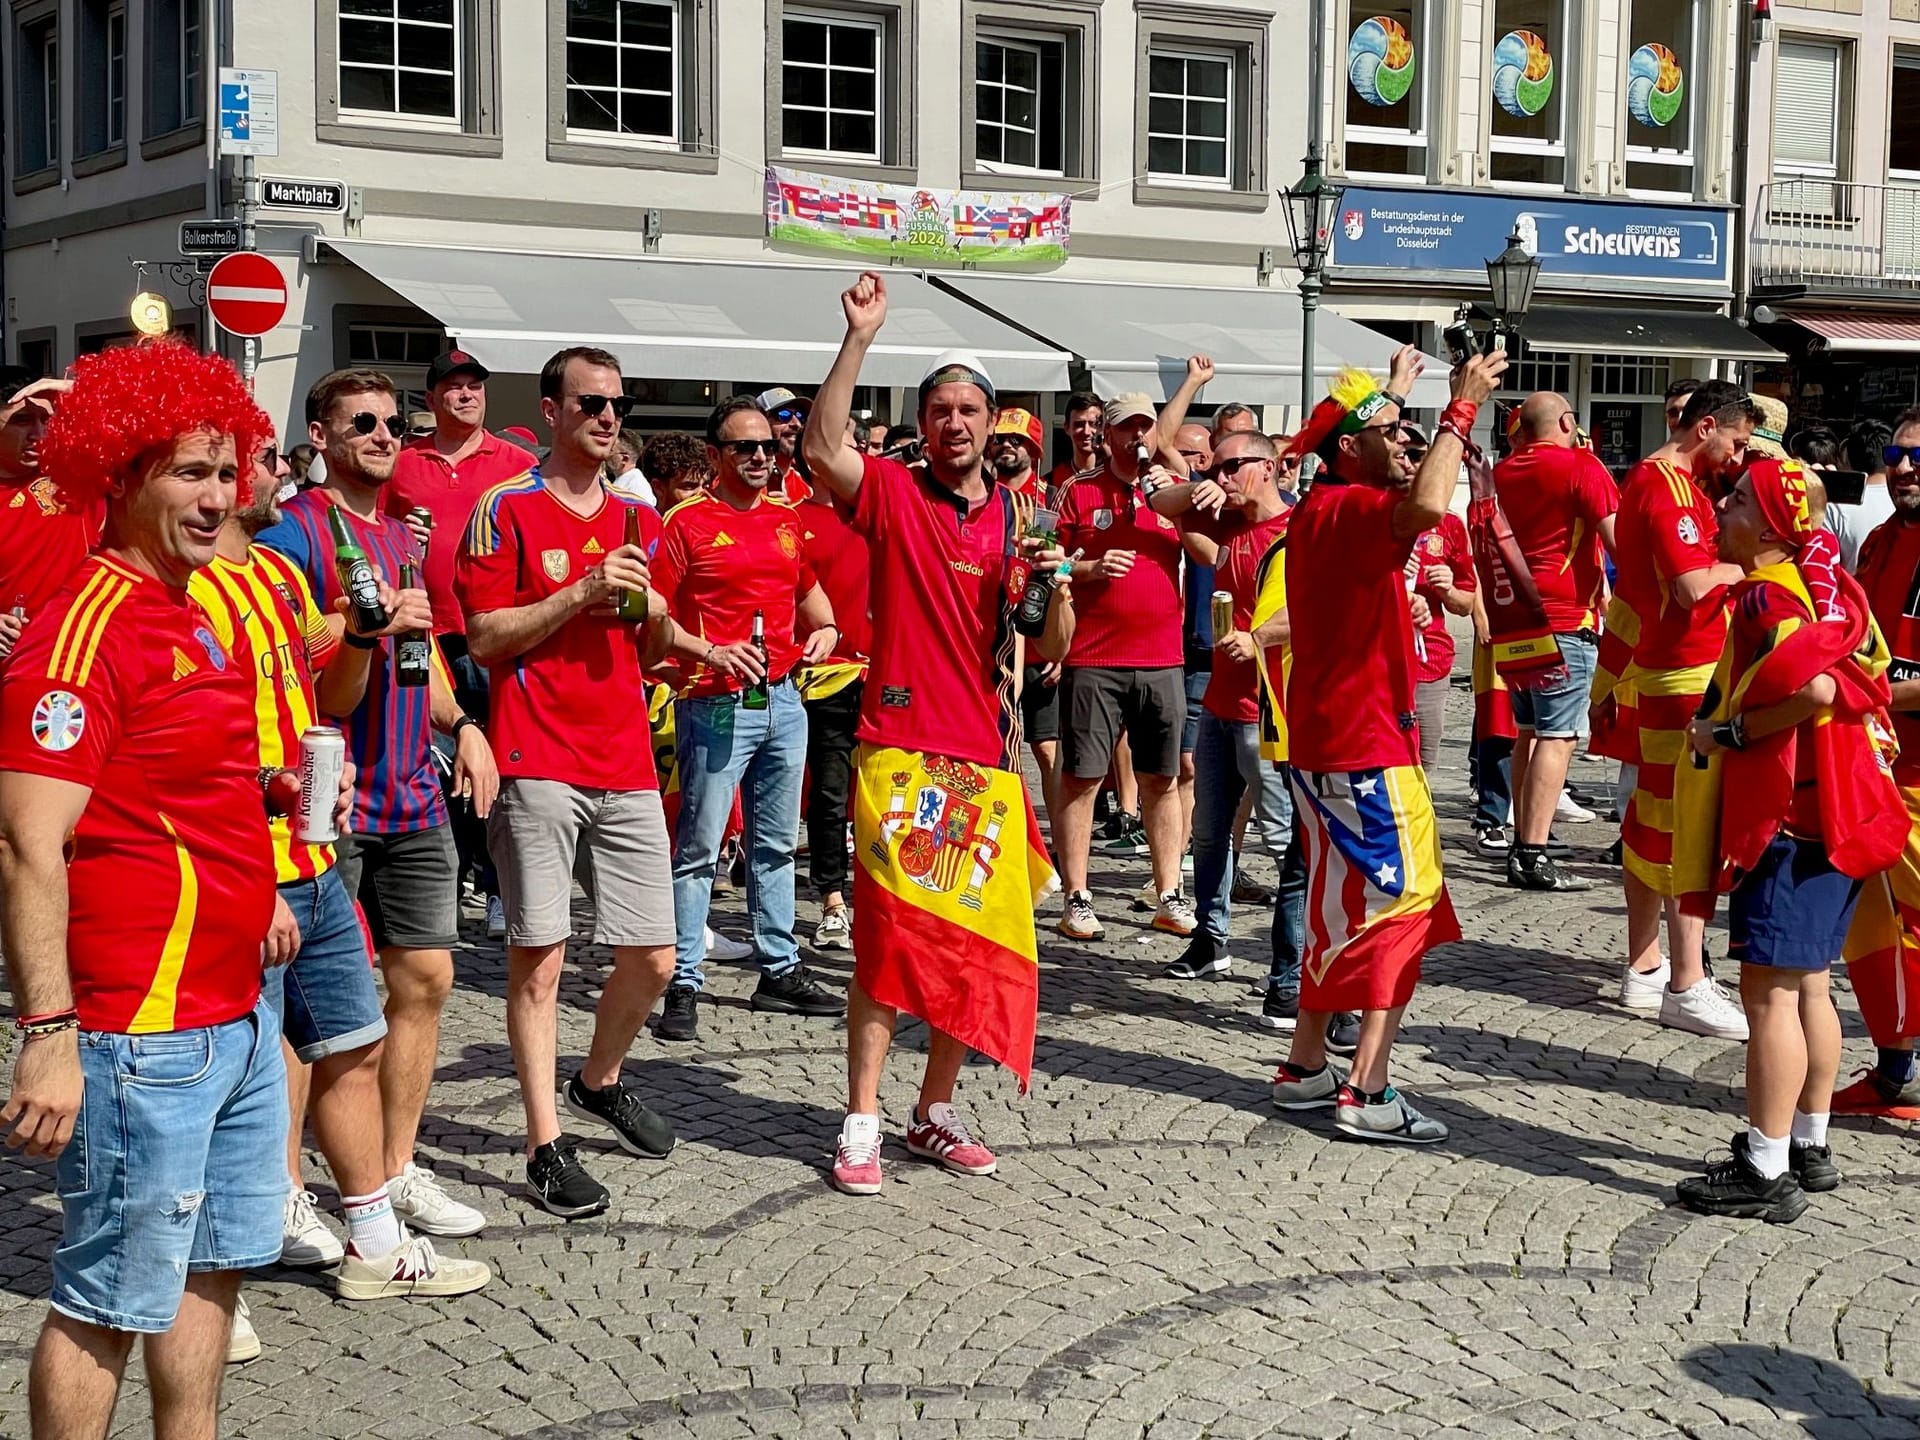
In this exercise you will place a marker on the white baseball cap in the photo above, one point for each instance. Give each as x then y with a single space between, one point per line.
951 365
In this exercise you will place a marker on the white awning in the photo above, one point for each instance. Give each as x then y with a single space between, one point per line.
691 319
1138 337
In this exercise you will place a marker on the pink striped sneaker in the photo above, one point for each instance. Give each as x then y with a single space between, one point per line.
943 1136
856 1160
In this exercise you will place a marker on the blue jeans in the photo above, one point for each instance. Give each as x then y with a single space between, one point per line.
1226 760
325 999
1490 770
1289 916
763 755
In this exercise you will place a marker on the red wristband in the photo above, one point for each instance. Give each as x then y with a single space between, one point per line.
1460 413
52 1017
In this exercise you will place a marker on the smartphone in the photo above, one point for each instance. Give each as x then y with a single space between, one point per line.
1844 487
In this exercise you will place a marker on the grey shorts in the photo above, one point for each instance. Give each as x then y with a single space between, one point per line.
1097 704
537 829
406 883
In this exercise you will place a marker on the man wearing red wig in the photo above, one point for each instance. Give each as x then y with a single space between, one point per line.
136 889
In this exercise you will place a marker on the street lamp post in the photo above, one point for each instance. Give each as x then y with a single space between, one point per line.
1312 205
1511 276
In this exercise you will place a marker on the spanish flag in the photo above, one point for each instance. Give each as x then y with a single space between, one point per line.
949 865
666 752
1492 701
1883 946
1614 678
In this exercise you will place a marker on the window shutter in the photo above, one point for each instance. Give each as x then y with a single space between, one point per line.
1806 108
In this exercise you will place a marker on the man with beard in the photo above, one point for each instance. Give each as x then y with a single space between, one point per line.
1014 452
399 861
43 537
1672 579
786 412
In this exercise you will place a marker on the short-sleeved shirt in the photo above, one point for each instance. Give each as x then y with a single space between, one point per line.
424 479
939 680
264 613
1350 693
1667 529
1130 621
1757 608
390 733
1233 688
1555 497
716 565
43 539
1445 544
121 685
1890 574
838 554
572 708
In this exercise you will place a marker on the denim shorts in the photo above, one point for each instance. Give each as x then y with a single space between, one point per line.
1559 712
408 884
326 998
1197 681
1792 910
178 1163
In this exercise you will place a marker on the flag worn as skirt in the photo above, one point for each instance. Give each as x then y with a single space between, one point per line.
950 863
1883 946
1672 822
1376 899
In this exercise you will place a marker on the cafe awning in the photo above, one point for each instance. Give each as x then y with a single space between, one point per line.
1862 330
1601 330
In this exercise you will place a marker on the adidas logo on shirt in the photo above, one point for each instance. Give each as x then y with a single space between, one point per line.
593 547
723 539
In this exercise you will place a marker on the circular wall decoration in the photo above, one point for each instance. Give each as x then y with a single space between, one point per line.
1522 74
1655 86
1380 61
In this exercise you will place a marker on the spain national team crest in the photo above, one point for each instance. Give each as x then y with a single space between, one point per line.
789 543
940 843
59 720
556 564
1103 519
1435 545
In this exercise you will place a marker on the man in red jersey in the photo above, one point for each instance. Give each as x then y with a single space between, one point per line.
136 880
949 855
1560 501
1086 439
1013 453
43 538
1671 577
1376 900
545 561
725 557
787 413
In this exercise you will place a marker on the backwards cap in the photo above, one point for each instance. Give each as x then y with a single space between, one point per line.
1353 399
957 367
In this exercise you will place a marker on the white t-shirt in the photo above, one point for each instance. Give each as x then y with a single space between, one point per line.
635 484
1851 524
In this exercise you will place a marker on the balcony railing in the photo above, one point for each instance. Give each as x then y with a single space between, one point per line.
1832 234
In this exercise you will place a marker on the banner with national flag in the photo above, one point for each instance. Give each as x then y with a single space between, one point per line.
949 865
916 222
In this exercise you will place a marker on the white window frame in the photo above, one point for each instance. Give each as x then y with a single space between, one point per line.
397 118
1498 144
116 76
676 97
1904 59
1652 155
1043 108
1185 181
1814 170
839 20
1414 141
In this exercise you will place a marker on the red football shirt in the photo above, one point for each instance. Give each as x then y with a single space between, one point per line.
791 484
1445 544
717 565
838 554
1555 498
121 685
574 707
424 480
1350 696
1667 529
1889 568
940 679
1131 621
42 542
1233 688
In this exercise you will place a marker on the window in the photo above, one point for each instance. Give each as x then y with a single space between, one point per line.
1532 371
37 56
1019 99
36 354
1903 139
623 69
1531 73
1189 110
1664 64
1808 88
1389 61
1639 377
831 85
174 77
401 352
101 123
1200 106
400 59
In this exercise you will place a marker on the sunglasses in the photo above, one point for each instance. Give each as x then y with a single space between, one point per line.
788 414
1239 463
1415 456
365 422
270 457
1892 454
592 406
747 449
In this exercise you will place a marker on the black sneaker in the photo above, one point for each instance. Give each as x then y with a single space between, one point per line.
1614 854
1201 960
1125 835
1493 840
1280 1009
641 1131
1343 1033
1542 874
796 993
559 1184
680 1016
1811 1165
1733 1187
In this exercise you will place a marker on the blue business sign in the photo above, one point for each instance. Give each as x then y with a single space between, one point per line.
1443 233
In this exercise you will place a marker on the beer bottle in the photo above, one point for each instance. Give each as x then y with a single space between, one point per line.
631 604
412 653
350 563
756 695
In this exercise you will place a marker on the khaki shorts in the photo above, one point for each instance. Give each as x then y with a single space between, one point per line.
539 827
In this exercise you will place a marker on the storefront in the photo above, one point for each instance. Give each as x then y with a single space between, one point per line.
1841 364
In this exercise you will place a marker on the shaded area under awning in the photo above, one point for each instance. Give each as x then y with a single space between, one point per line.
1861 329
691 319
1138 337
1599 330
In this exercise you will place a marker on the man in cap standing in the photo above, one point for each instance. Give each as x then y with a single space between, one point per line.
787 414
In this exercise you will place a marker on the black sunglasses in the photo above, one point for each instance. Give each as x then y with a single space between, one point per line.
270 457
592 405
1893 453
365 422
1239 463
747 449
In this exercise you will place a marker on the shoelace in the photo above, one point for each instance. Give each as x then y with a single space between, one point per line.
954 1128
304 1204
416 1259
425 1181
859 1152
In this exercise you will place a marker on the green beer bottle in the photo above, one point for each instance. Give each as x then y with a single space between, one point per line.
362 587
756 695
631 604
413 649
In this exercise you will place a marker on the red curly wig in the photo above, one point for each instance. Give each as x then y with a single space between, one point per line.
129 404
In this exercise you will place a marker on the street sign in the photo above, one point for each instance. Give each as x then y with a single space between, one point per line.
278 192
247 294
249 112
209 237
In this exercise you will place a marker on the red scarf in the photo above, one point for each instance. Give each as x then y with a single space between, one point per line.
1525 653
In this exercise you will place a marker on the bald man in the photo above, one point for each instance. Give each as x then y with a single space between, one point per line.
1560 501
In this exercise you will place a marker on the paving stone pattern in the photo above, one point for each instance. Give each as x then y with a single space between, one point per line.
1161 1255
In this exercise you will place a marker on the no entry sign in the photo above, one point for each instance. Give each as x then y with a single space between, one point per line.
247 294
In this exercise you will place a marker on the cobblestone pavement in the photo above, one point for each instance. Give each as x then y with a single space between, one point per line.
1161 1254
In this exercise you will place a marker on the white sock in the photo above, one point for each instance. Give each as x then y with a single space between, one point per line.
1810 1129
1768 1156
371 1226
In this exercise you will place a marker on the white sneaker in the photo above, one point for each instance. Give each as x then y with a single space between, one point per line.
726 950
421 1204
496 918
1174 914
1079 922
305 1240
1643 991
835 930
1145 898
243 1341
1393 1120
1568 809
416 1268
1704 1009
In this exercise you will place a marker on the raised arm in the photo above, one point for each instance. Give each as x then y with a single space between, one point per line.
1433 484
1174 413
824 443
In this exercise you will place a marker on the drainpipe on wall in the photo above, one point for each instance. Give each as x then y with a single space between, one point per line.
1748 54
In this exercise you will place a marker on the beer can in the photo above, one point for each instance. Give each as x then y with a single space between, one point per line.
323 756
1222 613
422 517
